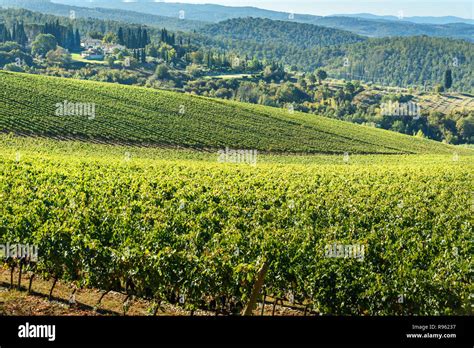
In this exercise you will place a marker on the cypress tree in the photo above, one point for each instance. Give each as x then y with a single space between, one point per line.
4 33
448 79
145 38
22 38
120 36
14 32
69 41
77 40
139 42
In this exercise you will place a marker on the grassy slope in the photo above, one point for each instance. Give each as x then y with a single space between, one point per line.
140 116
78 58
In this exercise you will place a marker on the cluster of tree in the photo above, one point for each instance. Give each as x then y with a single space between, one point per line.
162 51
309 93
14 57
274 87
44 43
32 20
168 38
139 55
133 38
106 15
66 36
184 55
268 31
400 61
16 33
453 127
197 15
405 61
222 60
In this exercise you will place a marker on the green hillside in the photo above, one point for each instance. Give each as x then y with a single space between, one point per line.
85 14
274 32
371 26
139 116
399 61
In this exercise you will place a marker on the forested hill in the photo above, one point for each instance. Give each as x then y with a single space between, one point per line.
391 28
271 31
404 61
399 61
415 19
106 14
33 20
196 15
374 27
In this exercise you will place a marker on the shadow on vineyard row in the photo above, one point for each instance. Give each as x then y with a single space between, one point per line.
19 299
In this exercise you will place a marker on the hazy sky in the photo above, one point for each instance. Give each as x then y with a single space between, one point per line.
460 8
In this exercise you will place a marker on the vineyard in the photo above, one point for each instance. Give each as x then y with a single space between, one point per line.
146 117
177 226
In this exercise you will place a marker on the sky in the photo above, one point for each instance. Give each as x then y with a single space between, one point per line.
459 8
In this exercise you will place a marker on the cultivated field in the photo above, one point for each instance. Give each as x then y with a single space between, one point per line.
179 227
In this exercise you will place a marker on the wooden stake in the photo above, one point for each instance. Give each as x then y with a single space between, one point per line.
156 308
31 283
274 305
101 297
263 303
11 277
52 288
19 275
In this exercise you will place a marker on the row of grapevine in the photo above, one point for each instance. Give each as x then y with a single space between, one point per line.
197 232
133 115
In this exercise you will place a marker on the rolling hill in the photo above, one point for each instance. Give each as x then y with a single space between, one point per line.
145 117
268 31
415 19
108 14
400 61
390 28
375 27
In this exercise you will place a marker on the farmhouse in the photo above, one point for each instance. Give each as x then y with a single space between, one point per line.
91 43
92 54
106 48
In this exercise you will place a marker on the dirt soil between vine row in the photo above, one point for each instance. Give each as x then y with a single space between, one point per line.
14 302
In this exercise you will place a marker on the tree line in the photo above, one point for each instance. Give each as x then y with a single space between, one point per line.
66 36
15 33
133 38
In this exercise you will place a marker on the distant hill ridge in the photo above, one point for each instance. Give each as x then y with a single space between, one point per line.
374 26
